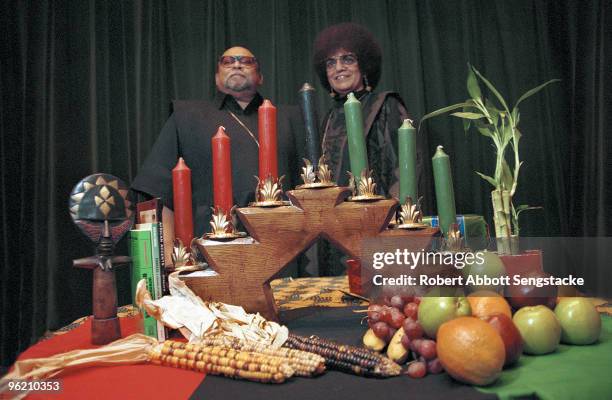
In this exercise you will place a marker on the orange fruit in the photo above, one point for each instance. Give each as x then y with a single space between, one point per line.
471 350
485 303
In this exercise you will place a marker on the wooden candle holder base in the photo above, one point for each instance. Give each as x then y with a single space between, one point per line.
246 266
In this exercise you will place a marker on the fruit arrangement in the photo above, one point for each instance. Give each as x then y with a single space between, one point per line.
473 338
394 325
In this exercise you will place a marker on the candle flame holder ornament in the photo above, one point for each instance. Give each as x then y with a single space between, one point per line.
410 215
185 260
222 228
364 189
315 180
268 193
453 241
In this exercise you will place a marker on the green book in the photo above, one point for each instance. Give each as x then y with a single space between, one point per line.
142 268
157 292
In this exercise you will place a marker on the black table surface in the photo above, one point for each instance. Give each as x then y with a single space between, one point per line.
343 325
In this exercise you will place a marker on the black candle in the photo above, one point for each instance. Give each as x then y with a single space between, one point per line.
311 122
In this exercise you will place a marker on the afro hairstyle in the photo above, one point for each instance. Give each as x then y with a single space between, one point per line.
351 37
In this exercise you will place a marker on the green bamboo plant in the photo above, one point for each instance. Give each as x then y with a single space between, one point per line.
501 125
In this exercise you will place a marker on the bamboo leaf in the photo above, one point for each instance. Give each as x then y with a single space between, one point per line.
517 135
485 132
466 125
466 122
493 111
507 179
515 116
484 128
535 90
492 89
525 207
472 84
488 179
468 115
518 167
443 111
507 133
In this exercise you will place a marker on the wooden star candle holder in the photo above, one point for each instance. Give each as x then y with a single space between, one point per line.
246 266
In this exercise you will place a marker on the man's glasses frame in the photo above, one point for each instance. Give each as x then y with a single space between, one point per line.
245 61
345 59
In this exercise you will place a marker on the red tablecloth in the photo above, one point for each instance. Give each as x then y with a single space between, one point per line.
133 382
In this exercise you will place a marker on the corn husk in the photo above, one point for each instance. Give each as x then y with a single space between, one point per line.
133 349
197 319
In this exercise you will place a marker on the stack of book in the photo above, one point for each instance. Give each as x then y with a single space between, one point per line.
148 249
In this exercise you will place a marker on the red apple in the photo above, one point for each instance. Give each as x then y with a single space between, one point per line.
580 321
520 296
509 334
540 329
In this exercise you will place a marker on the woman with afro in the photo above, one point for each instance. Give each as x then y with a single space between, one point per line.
347 59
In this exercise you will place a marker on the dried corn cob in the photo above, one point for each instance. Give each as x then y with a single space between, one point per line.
304 363
345 358
218 360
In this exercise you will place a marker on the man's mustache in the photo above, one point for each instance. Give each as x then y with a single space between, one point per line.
236 74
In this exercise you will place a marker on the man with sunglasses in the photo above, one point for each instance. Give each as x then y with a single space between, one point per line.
189 130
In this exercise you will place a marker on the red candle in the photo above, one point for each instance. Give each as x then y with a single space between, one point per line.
268 163
183 212
222 171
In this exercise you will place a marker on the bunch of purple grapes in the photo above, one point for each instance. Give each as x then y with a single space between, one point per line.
402 312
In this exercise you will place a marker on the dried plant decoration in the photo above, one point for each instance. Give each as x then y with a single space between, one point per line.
366 186
181 256
222 228
324 173
185 260
364 189
197 319
219 223
308 175
410 215
351 183
316 179
268 189
269 192
453 241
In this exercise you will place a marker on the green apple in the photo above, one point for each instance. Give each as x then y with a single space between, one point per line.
540 329
434 311
580 321
488 265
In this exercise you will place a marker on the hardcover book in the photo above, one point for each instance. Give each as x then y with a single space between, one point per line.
141 251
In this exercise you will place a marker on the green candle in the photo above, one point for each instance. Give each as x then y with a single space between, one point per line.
407 161
356 139
445 196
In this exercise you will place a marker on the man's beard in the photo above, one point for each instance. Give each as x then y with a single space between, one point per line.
237 85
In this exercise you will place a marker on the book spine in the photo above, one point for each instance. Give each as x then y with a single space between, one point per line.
162 259
157 274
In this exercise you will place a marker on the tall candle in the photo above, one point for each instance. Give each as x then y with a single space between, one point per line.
355 136
222 171
268 162
407 161
183 211
309 114
445 195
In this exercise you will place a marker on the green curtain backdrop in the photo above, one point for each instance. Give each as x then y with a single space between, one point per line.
85 87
